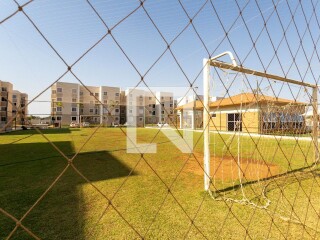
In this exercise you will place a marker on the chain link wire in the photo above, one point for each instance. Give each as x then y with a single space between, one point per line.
274 181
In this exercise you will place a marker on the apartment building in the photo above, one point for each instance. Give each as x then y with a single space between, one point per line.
145 107
72 102
164 107
13 106
6 89
19 108
135 102
123 107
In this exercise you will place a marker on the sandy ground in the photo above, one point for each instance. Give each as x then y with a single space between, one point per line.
227 168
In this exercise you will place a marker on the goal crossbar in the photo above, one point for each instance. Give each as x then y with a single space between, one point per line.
224 65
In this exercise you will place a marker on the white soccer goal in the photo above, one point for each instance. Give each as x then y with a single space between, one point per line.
256 134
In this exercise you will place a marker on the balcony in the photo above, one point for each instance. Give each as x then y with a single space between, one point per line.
3 94
3 104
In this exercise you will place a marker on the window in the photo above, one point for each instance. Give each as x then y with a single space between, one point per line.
171 104
162 112
162 97
162 119
150 98
153 106
162 104
3 99
105 93
140 119
14 96
73 109
213 115
116 118
59 90
96 94
4 89
116 110
53 118
91 110
59 99
73 118
53 91
74 91
3 119
130 111
59 118
141 96
4 109
74 100
105 101
234 122
270 120
150 105
117 94
59 109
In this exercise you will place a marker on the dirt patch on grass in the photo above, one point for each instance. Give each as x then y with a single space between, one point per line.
227 168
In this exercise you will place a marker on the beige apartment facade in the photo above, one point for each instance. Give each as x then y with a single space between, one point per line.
19 107
72 102
165 107
13 107
144 107
6 106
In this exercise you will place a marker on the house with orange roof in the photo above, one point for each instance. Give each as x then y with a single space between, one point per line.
254 113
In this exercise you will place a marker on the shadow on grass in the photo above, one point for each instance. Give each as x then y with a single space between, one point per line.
44 131
27 170
308 169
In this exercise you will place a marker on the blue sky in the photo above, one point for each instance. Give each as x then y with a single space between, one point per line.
72 27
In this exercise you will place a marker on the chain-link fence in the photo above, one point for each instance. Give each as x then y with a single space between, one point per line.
118 142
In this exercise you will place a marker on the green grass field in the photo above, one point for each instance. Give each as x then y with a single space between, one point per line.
72 208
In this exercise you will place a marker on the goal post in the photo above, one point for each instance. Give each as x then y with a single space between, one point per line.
233 66
206 115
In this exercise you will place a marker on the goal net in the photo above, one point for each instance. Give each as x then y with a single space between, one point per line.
261 134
